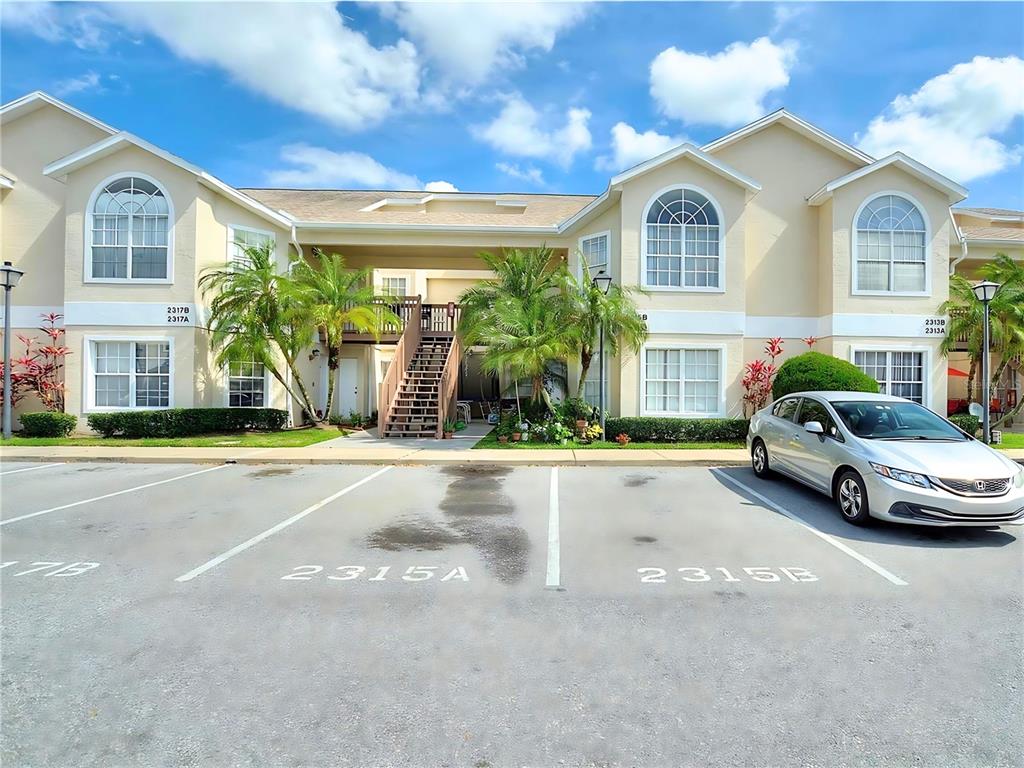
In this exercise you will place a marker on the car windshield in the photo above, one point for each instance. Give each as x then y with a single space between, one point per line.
876 420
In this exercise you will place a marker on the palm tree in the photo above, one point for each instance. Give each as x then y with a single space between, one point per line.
590 308
252 318
520 316
334 299
1006 319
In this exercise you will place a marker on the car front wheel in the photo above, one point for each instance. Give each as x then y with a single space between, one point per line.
759 459
852 498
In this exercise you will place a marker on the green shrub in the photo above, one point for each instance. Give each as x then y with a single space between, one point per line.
656 429
182 422
966 422
813 371
48 424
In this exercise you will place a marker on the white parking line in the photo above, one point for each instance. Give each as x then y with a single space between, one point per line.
111 495
820 534
279 527
554 547
29 469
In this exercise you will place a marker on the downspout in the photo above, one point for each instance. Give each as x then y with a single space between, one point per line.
963 244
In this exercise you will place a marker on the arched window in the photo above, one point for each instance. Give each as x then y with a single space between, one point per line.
890 249
130 229
682 241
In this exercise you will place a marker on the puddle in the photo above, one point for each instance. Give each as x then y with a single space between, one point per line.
637 481
94 469
274 472
645 539
418 535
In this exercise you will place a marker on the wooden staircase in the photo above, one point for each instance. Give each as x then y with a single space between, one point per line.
416 408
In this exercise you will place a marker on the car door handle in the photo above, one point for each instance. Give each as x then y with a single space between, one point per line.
796 437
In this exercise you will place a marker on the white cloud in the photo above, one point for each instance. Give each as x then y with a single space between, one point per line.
630 147
90 81
789 14
727 88
955 122
517 131
469 40
319 167
440 186
79 24
529 174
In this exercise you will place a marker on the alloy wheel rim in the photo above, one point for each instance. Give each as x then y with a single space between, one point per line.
759 458
849 498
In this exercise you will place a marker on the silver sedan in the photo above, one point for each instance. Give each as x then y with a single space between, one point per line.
886 457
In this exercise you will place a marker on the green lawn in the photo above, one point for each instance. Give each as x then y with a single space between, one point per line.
1012 440
491 441
292 438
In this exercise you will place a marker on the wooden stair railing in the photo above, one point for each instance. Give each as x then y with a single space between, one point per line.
404 350
447 388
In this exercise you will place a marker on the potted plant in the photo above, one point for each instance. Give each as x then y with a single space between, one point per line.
622 439
448 429
524 432
580 411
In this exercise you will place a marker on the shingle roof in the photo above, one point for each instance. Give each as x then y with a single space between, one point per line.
992 233
991 211
337 206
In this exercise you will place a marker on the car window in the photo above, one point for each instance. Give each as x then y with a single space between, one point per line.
895 421
786 409
812 410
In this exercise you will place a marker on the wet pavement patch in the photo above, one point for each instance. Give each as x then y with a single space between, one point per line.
636 481
645 539
272 472
416 534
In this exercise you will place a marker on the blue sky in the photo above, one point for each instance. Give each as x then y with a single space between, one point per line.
514 97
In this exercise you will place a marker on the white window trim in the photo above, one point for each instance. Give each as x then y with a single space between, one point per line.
232 228
926 363
719 414
87 236
227 390
721 244
594 376
607 234
89 374
854 290
408 274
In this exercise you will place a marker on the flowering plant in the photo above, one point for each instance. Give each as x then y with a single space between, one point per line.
758 376
40 369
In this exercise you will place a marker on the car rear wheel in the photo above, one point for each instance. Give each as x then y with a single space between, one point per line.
852 498
759 459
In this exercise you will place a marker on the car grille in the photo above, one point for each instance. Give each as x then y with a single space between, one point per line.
903 509
996 487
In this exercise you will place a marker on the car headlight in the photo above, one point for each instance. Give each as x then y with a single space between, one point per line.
1018 479
901 476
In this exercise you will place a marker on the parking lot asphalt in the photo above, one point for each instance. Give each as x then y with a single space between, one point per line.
491 616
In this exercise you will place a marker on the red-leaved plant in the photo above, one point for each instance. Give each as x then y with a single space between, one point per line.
810 341
758 376
39 370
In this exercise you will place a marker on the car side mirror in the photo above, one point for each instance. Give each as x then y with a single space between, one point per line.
814 428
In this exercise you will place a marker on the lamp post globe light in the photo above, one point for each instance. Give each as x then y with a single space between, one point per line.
985 291
603 283
9 278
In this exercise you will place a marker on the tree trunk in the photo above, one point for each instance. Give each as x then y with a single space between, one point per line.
1009 414
304 399
332 375
970 379
280 379
586 356
541 394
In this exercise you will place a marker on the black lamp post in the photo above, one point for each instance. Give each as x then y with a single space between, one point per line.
601 282
9 278
985 291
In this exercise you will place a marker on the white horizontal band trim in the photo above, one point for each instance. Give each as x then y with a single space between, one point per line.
29 316
130 313
761 326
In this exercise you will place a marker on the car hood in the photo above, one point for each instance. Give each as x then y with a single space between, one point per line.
969 460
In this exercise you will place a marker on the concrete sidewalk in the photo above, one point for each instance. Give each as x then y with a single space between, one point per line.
315 454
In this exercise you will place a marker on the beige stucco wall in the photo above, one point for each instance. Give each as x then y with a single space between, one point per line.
782 231
32 234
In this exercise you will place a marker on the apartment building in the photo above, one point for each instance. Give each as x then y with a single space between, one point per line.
776 229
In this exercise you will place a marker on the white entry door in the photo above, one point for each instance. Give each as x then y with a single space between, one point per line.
348 385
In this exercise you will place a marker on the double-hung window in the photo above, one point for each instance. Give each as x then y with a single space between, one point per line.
130 232
247 384
242 239
595 254
682 242
891 255
898 373
131 374
394 286
682 381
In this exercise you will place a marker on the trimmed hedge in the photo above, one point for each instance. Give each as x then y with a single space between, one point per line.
183 422
656 429
48 424
966 422
813 371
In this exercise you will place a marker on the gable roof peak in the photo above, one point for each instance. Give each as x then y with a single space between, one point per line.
30 102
